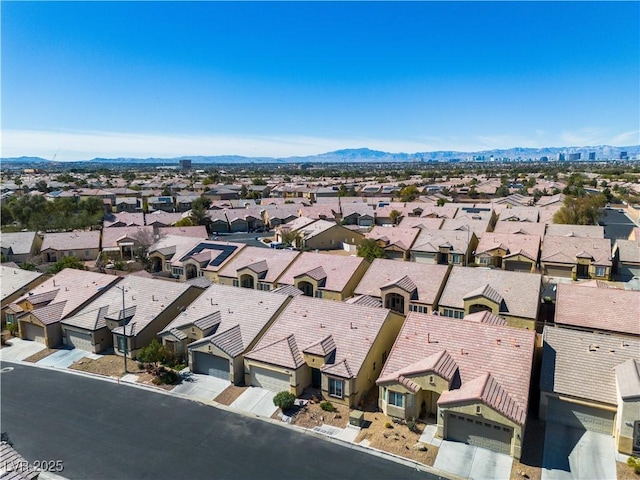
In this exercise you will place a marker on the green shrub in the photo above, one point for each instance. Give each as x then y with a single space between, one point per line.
284 400
13 328
412 425
388 425
327 406
634 462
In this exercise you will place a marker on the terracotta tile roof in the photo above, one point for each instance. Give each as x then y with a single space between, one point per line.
365 300
322 347
493 362
628 250
520 228
163 218
628 379
20 243
432 240
421 222
479 227
404 283
427 278
316 211
485 317
598 308
296 224
50 313
400 237
526 245
123 219
250 310
111 236
581 364
520 214
306 321
581 231
288 290
230 341
13 280
567 249
197 231
71 241
182 246
520 291
360 209
485 291
338 269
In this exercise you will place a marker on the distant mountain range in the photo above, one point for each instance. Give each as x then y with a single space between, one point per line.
362 155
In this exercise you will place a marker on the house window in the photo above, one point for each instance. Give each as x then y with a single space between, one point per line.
318 294
418 308
384 394
178 271
10 318
87 253
336 387
456 258
167 266
600 271
396 399
448 312
236 282
484 261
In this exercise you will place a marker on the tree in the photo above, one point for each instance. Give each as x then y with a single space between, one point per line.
154 353
502 191
66 262
185 222
394 216
199 214
244 191
441 202
369 249
581 210
284 400
289 236
258 181
409 193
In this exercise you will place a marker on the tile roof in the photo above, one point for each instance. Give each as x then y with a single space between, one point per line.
427 278
526 245
123 219
479 227
144 300
520 214
520 291
139 234
163 218
13 280
628 250
628 378
400 237
20 243
485 316
22 470
567 249
71 241
493 362
322 347
485 291
197 231
581 231
276 262
520 228
421 222
217 253
581 364
432 240
365 300
71 287
338 269
606 309
288 290
306 321
249 310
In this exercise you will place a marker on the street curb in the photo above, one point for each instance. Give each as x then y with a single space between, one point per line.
212 403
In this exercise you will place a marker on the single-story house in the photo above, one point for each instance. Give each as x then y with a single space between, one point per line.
580 231
15 282
257 268
465 223
514 296
81 244
471 377
443 247
518 214
395 241
19 247
163 219
626 255
123 219
520 228
216 330
324 275
333 346
359 214
326 235
279 214
576 257
164 203
124 242
591 382
41 310
404 286
515 252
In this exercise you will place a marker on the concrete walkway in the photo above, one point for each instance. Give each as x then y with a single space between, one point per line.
64 358
348 434
429 436
18 350
472 462
256 400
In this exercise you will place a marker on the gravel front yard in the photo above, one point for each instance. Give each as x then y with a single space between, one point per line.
40 355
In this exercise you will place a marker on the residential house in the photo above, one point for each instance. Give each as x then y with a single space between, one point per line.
385 217
518 214
324 211
404 287
429 223
464 224
443 247
126 242
626 257
196 231
277 215
395 241
325 235
552 200
333 346
80 244
41 310
547 213
185 258
609 402
223 192
20 247
256 268
471 377
515 252
163 219
477 213
359 214
183 202
576 257
604 310
124 219
163 203
127 204
321 275
515 200
216 330
520 228
15 282
218 221
578 231
514 296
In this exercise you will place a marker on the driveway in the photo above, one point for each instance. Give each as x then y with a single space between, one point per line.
570 453
472 462
205 387
256 400
64 358
20 349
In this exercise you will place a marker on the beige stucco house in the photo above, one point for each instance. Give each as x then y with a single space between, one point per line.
576 257
471 377
15 282
508 251
444 247
19 247
256 268
336 347
82 245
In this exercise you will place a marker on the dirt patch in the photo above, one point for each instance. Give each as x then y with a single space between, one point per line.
109 365
520 471
229 394
395 438
36 357
625 472
147 379
311 415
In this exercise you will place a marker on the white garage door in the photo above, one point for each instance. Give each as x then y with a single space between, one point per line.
479 432
274 381
580 416
79 340
33 332
211 365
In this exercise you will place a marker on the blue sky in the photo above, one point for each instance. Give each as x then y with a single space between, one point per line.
294 78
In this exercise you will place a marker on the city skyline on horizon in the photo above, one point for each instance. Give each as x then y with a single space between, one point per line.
165 79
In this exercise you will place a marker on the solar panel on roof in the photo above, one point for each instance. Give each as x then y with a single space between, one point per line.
225 252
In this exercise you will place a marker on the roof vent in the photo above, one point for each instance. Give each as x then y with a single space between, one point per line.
593 348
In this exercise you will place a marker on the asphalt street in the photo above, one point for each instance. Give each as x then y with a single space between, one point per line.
102 430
